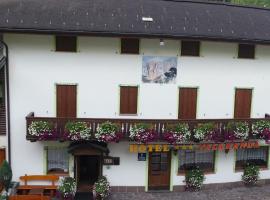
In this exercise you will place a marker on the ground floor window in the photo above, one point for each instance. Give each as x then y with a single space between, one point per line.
57 160
257 157
189 159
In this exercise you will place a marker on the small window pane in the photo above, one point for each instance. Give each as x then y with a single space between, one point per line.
190 48
57 160
66 43
257 157
130 46
246 51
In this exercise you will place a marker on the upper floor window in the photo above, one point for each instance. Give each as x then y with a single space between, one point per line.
246 51
189 159
128 99
66 43
190 48
257 157
130 46
57 160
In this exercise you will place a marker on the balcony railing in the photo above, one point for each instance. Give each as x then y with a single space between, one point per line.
159 125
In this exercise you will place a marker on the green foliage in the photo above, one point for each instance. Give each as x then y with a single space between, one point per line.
37 128
102 187
251 174
261 3
202 130
67 187
194 179
5 174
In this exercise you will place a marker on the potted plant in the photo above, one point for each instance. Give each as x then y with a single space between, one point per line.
108 132
75 130
194 179
261 129
43 130
203 131
238 130
178 133
5 175
142 133
101 188
251 174
67 188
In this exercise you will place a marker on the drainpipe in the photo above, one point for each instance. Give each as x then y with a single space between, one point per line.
8 98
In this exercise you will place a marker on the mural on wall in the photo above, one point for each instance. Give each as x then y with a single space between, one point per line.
159 69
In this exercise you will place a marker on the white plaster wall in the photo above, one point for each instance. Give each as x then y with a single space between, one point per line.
99 69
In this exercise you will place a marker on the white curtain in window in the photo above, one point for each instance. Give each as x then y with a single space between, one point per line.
251 154
57 158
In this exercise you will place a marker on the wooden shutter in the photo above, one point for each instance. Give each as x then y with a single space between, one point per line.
187 103
190 48
242 106
130 45
66 100
2 155
246 51
66 43
2 103
128 99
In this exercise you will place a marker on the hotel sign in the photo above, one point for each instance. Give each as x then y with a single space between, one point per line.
141 148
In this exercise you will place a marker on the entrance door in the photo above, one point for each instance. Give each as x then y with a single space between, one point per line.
66 100
159 171
88 171
242 104
187 103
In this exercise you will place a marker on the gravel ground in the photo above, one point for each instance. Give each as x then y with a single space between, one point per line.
240 193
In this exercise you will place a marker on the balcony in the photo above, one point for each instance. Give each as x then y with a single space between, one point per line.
159 126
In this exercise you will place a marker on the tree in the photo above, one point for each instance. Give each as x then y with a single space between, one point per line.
262 3
5 174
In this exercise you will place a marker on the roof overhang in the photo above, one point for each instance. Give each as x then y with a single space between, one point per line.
88 148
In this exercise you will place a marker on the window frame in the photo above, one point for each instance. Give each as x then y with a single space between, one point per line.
198 51
206 171
243 45
137 108
67 51
241 168
128 51
46 148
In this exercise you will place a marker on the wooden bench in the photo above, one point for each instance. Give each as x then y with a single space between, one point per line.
24 189
28 197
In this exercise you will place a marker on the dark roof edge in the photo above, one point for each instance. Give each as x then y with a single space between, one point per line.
221 3
127 34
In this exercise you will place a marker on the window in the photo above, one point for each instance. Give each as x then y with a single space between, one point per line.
189 159
257 157
246 51
66 43
128 99
57 160
190 48
130 46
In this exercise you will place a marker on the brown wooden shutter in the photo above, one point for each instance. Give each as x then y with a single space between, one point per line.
66 43
190 48
242 106
2 155
246 51
128 99
66 100
187 103
130 45
2 103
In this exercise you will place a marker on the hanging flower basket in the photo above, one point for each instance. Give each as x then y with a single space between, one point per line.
77 131
176 134
108 132
43 130
67 188
237 130
204 132
142 133
101 188
261 130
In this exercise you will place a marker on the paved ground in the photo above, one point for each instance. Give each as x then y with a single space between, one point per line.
241 193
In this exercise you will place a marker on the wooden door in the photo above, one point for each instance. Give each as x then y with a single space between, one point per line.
187 103
66 100
242 105
159 170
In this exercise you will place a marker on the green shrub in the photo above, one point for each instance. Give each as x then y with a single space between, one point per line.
194 179
251 174
5 174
